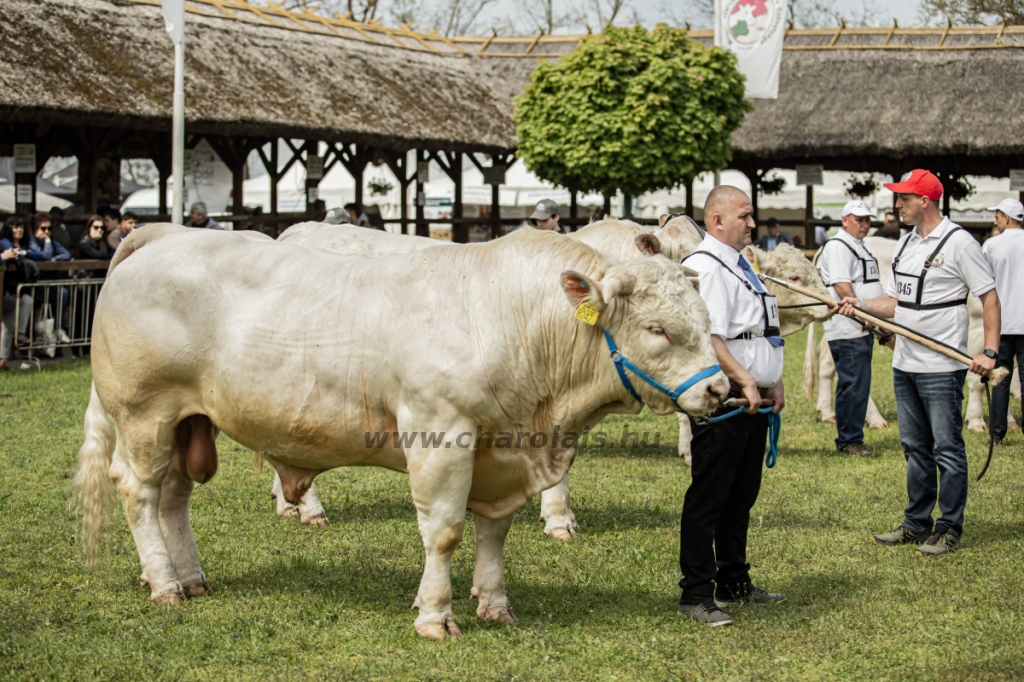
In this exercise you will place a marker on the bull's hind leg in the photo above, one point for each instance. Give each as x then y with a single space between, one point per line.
284 507
140 462
874 418
489 574
440 478
175 496
559 521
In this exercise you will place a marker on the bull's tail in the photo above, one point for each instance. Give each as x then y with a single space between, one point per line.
94 491
811 360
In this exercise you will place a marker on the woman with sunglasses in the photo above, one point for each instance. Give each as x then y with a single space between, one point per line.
40 246
93 246
12 247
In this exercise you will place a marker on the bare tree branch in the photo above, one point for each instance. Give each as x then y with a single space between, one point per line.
972 11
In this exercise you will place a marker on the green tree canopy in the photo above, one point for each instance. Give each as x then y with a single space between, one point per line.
631 110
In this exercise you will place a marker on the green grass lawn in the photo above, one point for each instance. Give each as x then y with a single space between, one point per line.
297 602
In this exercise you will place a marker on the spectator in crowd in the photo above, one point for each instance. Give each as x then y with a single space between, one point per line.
597 215
16 270
198 216
890 226
111 219
319 210
42 248
821 232
125 225
58 232
546 216
356 215
774 237
93 246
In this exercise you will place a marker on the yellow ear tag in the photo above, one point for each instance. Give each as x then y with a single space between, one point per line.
587 313
753 264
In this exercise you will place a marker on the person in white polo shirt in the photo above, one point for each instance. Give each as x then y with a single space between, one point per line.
849 270
728 455
935 267
1006 254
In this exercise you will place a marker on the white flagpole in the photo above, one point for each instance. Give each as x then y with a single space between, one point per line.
178 136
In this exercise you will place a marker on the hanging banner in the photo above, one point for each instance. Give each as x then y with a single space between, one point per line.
174 19
753 30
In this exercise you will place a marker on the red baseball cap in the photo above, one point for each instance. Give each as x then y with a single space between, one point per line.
920 182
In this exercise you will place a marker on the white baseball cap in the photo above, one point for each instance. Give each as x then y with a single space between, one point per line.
857 208
1010 207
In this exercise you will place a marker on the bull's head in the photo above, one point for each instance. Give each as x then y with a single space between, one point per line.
679 236
660 323
788 263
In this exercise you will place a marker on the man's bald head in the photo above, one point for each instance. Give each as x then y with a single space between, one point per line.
728 216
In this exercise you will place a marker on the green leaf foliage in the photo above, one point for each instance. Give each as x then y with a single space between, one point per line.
631 110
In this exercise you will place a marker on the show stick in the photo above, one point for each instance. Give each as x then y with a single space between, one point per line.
995 377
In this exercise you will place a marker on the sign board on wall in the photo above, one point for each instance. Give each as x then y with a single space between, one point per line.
495 175
24 194
24 158
810 175
314 167
1017 180
423 171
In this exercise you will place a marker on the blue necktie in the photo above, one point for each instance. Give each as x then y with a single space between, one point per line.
749 272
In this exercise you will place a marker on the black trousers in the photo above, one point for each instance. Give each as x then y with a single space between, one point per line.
727 461
1010 346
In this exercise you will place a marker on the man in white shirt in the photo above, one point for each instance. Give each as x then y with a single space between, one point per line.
1006 254
727 455
849 270
936 265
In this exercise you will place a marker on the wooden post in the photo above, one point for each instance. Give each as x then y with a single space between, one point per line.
607 207
312 148
460 230
808 217
422 229
272 171
496 230
688 182
627 205
162 189
573 212
948 177
238 186
357 173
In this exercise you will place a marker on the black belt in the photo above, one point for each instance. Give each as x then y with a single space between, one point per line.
932 306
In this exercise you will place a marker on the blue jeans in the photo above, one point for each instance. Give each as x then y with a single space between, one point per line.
1010 346
853 365
931 426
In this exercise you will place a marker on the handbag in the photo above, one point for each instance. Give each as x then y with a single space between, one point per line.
44 331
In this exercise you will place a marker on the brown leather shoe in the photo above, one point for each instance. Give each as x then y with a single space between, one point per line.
858 449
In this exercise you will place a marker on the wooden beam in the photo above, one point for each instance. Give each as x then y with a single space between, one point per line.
422 229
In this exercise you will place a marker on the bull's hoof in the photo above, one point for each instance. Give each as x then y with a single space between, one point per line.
288 512
497 614
445 629
474 592
976 428
196 590
1013 426
170 598
687 459
562 533
143 580
879 425
319 520
829 420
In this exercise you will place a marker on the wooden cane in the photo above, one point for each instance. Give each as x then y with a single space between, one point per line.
995 377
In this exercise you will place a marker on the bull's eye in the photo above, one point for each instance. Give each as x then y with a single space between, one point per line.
796 278
657 331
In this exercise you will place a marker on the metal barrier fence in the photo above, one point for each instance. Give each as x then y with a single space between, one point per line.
61 314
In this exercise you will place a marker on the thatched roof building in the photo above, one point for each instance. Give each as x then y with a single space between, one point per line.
93 78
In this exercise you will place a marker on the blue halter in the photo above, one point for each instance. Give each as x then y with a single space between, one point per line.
622 363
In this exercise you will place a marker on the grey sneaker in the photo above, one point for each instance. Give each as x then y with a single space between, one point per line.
858 449
900 536
746 594
941 542
705 613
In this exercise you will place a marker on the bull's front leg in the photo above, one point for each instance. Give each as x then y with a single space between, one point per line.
685 436
559 521
489 574
975 411
826 372
440 478
874 418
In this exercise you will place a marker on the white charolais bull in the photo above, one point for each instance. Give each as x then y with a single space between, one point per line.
820 369
492 344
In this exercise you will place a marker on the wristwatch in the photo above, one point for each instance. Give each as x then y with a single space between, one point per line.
990 353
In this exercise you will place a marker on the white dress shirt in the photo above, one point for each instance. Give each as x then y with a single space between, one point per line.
960 268
838 264
734 310
1006 254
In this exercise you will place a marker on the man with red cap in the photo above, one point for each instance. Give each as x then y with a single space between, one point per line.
937 264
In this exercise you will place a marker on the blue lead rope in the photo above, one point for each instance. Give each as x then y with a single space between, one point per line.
774 430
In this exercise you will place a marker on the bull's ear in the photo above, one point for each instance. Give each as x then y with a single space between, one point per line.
619 284
693 276
754 256
648 244
581 289
662 219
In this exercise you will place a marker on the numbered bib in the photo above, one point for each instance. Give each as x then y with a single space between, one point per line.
906 287
870 271
771 311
